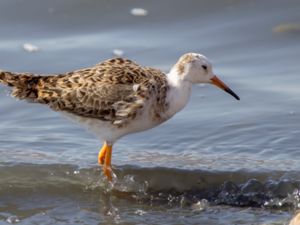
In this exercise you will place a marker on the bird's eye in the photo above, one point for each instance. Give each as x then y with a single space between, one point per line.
204 67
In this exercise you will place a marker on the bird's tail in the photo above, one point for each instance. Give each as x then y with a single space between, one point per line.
24 86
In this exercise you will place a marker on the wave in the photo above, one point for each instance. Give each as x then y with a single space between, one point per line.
270 189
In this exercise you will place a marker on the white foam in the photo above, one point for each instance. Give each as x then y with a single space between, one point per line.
13 219
139 212
118 52
30 47
139 12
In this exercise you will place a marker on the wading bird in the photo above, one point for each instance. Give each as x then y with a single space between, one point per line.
116 97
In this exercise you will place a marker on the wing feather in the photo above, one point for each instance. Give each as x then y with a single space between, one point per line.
115 90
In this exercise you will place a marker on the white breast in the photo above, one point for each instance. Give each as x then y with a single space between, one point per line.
178 94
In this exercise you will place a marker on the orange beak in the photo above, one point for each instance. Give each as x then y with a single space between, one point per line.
216 81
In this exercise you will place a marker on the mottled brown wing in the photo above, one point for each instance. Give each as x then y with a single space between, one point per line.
114 90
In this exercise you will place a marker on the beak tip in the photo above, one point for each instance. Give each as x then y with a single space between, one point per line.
229 91
216 81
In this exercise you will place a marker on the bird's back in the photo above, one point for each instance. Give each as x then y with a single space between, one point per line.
115 90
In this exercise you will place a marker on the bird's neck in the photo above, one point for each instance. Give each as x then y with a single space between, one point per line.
179 92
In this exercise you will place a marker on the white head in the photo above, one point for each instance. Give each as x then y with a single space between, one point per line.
196 68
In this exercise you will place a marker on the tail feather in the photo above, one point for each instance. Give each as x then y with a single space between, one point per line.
24 85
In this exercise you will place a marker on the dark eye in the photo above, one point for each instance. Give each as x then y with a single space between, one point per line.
204 67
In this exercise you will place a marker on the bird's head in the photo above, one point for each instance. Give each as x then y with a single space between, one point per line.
196 68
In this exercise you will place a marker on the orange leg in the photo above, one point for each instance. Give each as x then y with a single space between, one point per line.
107 163
102 153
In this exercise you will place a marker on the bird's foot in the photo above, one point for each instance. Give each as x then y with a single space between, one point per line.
108 172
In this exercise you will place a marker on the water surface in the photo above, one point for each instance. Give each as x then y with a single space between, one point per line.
218 161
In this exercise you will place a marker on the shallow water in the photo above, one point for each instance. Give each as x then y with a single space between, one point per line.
218 161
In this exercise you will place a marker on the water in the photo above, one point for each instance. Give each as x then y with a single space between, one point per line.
219 161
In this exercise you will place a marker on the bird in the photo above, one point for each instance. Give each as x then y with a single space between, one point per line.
116 97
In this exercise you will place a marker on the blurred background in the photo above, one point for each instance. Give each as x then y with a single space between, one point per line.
219 161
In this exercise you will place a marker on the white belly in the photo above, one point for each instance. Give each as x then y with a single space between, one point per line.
105 131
